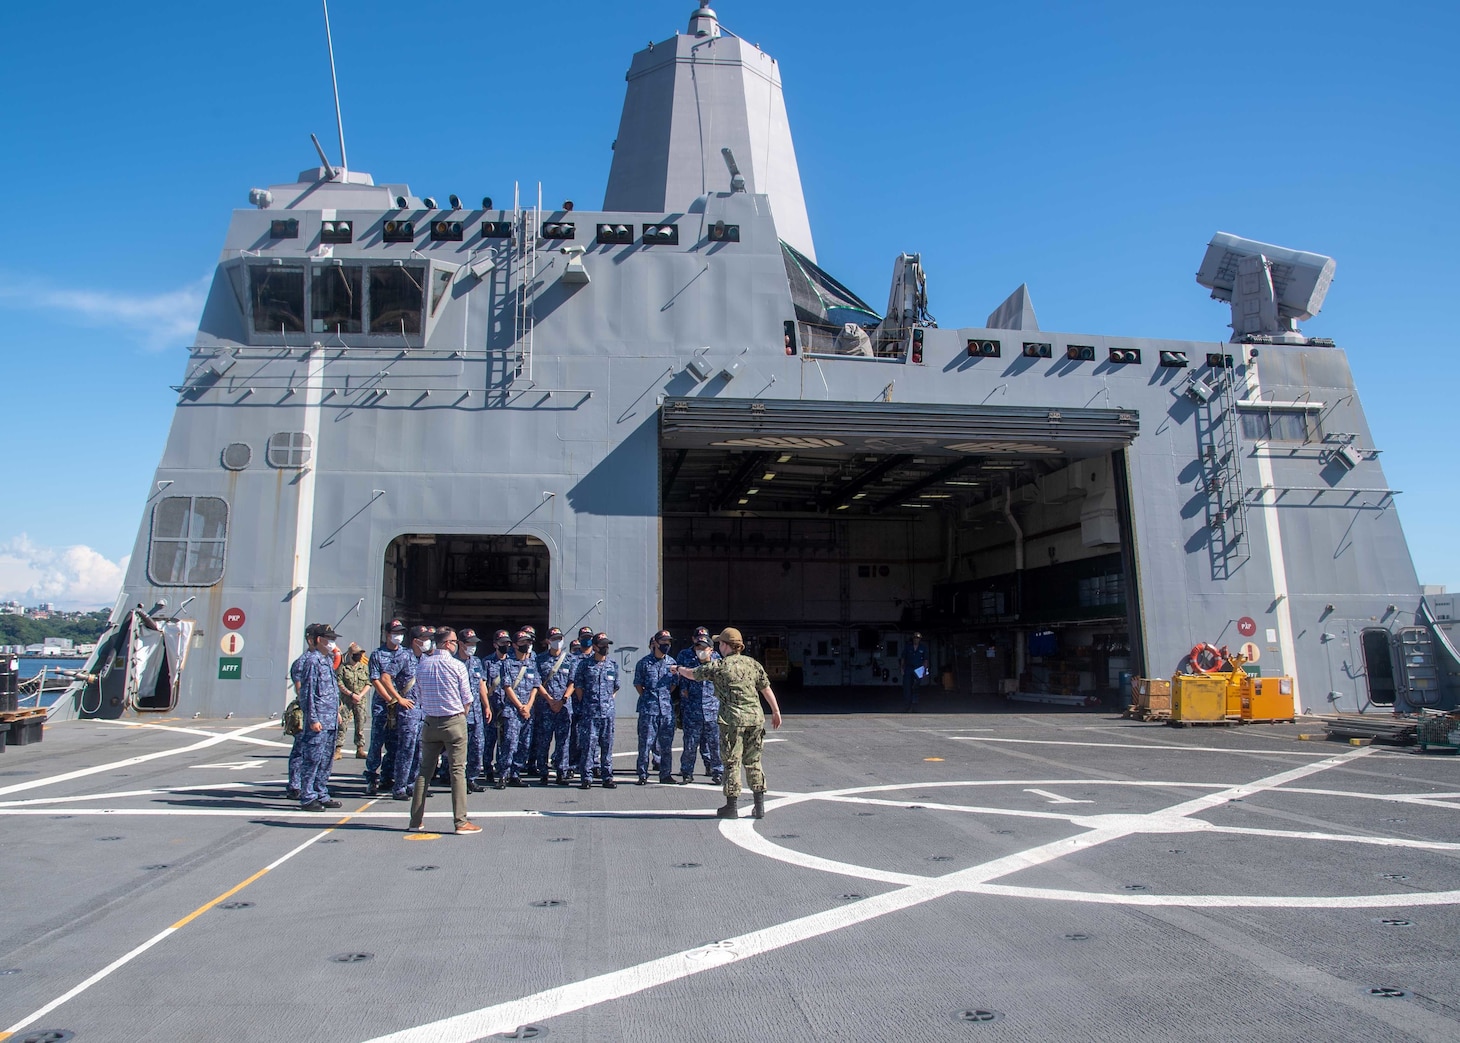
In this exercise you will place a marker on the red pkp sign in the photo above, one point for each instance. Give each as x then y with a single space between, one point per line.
1246 626
234 618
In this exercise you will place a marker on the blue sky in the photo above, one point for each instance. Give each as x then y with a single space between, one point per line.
1088 150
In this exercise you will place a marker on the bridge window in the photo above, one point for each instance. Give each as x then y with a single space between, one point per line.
397 298
337 301
189 534
277 294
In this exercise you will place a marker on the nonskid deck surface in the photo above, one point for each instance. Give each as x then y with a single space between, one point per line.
927 877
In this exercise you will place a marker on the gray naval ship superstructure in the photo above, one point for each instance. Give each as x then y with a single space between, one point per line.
666 413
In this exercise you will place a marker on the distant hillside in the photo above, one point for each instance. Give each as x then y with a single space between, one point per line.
21 630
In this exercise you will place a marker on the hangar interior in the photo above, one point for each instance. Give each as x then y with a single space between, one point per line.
1011 556
486 582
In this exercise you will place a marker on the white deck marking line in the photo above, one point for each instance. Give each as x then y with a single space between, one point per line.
164 934
1055 798
285 813
969 809
1430 801
1340 838
81 773
542 1006
1133 746
48 801
181 730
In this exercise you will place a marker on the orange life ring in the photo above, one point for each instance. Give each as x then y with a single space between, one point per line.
1219 659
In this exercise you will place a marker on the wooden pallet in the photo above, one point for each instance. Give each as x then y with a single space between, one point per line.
1225 722
1145 713
10 716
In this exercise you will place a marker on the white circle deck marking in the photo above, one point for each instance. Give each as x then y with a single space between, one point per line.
1099 829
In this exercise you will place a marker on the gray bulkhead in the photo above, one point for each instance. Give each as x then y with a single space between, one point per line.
544 421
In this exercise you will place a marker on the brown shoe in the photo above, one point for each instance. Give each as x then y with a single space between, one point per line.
468 827
339 754
359 753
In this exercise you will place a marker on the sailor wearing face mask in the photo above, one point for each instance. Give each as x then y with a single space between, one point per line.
699 714
531 768
654 680
409 722
582 649
519 690
319 702
595 683
492 669
551 717
393 673
478 711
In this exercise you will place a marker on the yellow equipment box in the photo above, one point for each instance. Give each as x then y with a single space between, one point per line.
1199 697
1267 699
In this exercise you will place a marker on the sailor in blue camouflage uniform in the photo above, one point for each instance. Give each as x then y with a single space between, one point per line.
409 720
296 751
477 712
519 690
319 700
595 683
552 717
699 712
393 675
655 681
581 649
492 666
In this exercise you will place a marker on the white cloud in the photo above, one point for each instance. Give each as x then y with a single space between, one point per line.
157 320
67 577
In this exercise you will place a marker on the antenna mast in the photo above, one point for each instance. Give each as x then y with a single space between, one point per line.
339 119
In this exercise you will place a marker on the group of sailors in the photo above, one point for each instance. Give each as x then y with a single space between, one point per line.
546 713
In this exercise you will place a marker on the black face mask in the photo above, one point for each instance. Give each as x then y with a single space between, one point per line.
524 646
504 646
664 646
355 657
601 649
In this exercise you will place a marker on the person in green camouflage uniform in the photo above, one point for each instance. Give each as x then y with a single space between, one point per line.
741 683
353 677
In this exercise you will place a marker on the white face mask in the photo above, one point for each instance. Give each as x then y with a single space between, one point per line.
396 640
331 647
471 650
555 646
426 647
703 654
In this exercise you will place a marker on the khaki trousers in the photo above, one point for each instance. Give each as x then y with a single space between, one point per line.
442 735
742 746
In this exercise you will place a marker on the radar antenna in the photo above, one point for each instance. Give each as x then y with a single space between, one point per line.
334 79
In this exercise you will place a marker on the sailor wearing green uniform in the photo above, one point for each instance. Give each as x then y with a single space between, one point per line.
741 683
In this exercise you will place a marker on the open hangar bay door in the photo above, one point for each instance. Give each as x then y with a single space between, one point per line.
828 532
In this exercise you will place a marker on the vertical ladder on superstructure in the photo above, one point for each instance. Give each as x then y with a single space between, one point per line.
1220 436
525 222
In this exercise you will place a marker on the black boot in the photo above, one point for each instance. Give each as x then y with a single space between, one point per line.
759 810
730 810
